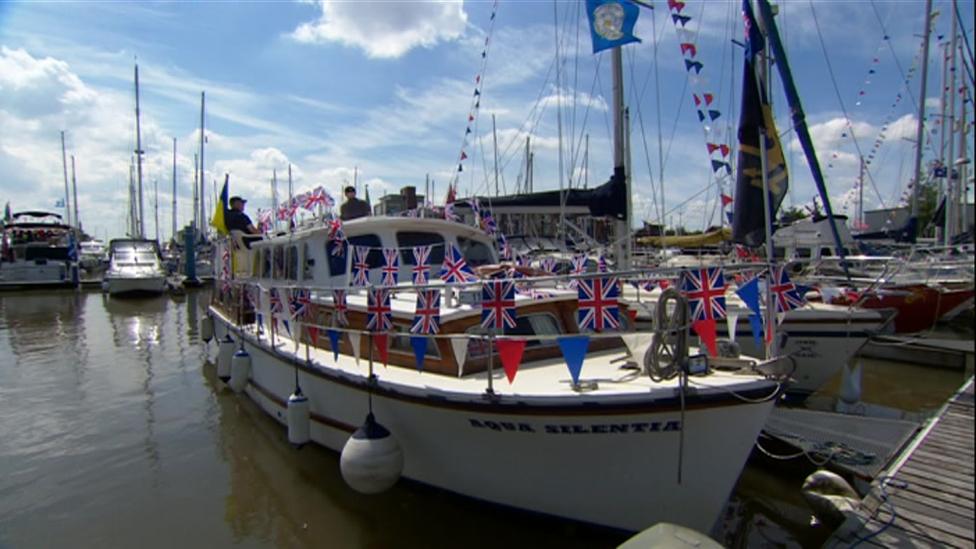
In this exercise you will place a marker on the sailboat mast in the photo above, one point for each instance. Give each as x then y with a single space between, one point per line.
132 200
64 165
139 212
196 193
920 129
202 180
74 195
156 207
622 233
174 189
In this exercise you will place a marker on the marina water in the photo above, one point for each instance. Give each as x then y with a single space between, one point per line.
115 433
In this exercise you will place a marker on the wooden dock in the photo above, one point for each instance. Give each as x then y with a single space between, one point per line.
925 498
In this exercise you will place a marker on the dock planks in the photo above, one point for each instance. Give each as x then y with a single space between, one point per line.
925 498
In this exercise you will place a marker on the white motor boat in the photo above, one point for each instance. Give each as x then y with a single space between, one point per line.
615 447
135 268
38 251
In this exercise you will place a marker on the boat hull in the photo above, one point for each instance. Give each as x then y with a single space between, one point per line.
132 286
625 467
29 274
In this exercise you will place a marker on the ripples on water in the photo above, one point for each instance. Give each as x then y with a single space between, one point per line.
115 434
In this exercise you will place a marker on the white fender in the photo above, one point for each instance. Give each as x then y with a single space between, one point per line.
224 354
371 461
206 328
240 370
299 417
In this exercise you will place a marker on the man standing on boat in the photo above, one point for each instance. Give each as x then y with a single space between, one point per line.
353 206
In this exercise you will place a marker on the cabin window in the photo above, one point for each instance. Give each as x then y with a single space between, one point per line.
803 253
779 252
291 265
406 241
527 325
475 252
400 342
337 263
826 252
279 262
308 265
375 256
266 263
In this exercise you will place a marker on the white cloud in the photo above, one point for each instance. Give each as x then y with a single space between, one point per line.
385 29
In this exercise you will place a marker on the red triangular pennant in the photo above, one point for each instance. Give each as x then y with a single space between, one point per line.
706 331
689 48
510 352
464 155
676 5
379 341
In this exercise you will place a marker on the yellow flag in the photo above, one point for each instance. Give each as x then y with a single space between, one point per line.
217 221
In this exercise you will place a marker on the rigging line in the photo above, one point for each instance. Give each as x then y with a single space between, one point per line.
583 125
901 71
965 41
576 62
647 157
843 107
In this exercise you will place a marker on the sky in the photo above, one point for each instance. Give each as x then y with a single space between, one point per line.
383 91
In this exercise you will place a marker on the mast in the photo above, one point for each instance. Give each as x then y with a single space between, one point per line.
74 197
620 158
64 165
799 119
156 207
196 193
132 200
202 180
174 189
139 212
494 136
559 120
920 129
963 163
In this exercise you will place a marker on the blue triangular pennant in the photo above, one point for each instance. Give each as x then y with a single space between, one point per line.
749 292
713 114
680 19
334 342
697 65
574 349
755 322
419 344
701 116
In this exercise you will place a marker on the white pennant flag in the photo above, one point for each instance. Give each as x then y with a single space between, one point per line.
354 341
732 320
460 346
637 344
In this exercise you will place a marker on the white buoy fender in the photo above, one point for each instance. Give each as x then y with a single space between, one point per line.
240 370
224 354
371 460
830 496
850 385
299 417
206 328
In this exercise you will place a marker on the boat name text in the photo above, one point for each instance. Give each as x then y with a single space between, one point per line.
578 429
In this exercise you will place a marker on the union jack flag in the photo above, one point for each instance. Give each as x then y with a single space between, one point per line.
225 284
302 201
391 269
427 318
498 304
578 268
506 248
488 223
548 264
274 300
339 304
788 296
705 291
449 212
598 308
421 268
601 265
264 220
360 267
300 303
336 235
455 269
379 315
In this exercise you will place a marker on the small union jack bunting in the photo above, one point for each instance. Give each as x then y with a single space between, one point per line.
498 304
455 269
598 308
300 303
391 267
339 304
379 315
705 291
360 267
421 268
427 317
788 296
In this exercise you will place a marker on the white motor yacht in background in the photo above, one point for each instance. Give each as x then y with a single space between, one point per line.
38 251
135 268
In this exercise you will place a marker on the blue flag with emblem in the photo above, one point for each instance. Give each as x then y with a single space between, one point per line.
611 23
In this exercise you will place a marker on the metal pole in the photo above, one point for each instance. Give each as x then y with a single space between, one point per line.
74 197
139 211
963 163
174 190
64 164
202 180
494 136
940 231
920 130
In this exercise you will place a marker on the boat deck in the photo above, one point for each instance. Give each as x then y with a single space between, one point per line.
925 499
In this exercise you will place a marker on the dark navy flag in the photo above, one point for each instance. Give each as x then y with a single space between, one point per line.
756 120
611 23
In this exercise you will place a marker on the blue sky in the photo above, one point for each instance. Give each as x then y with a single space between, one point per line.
385 88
